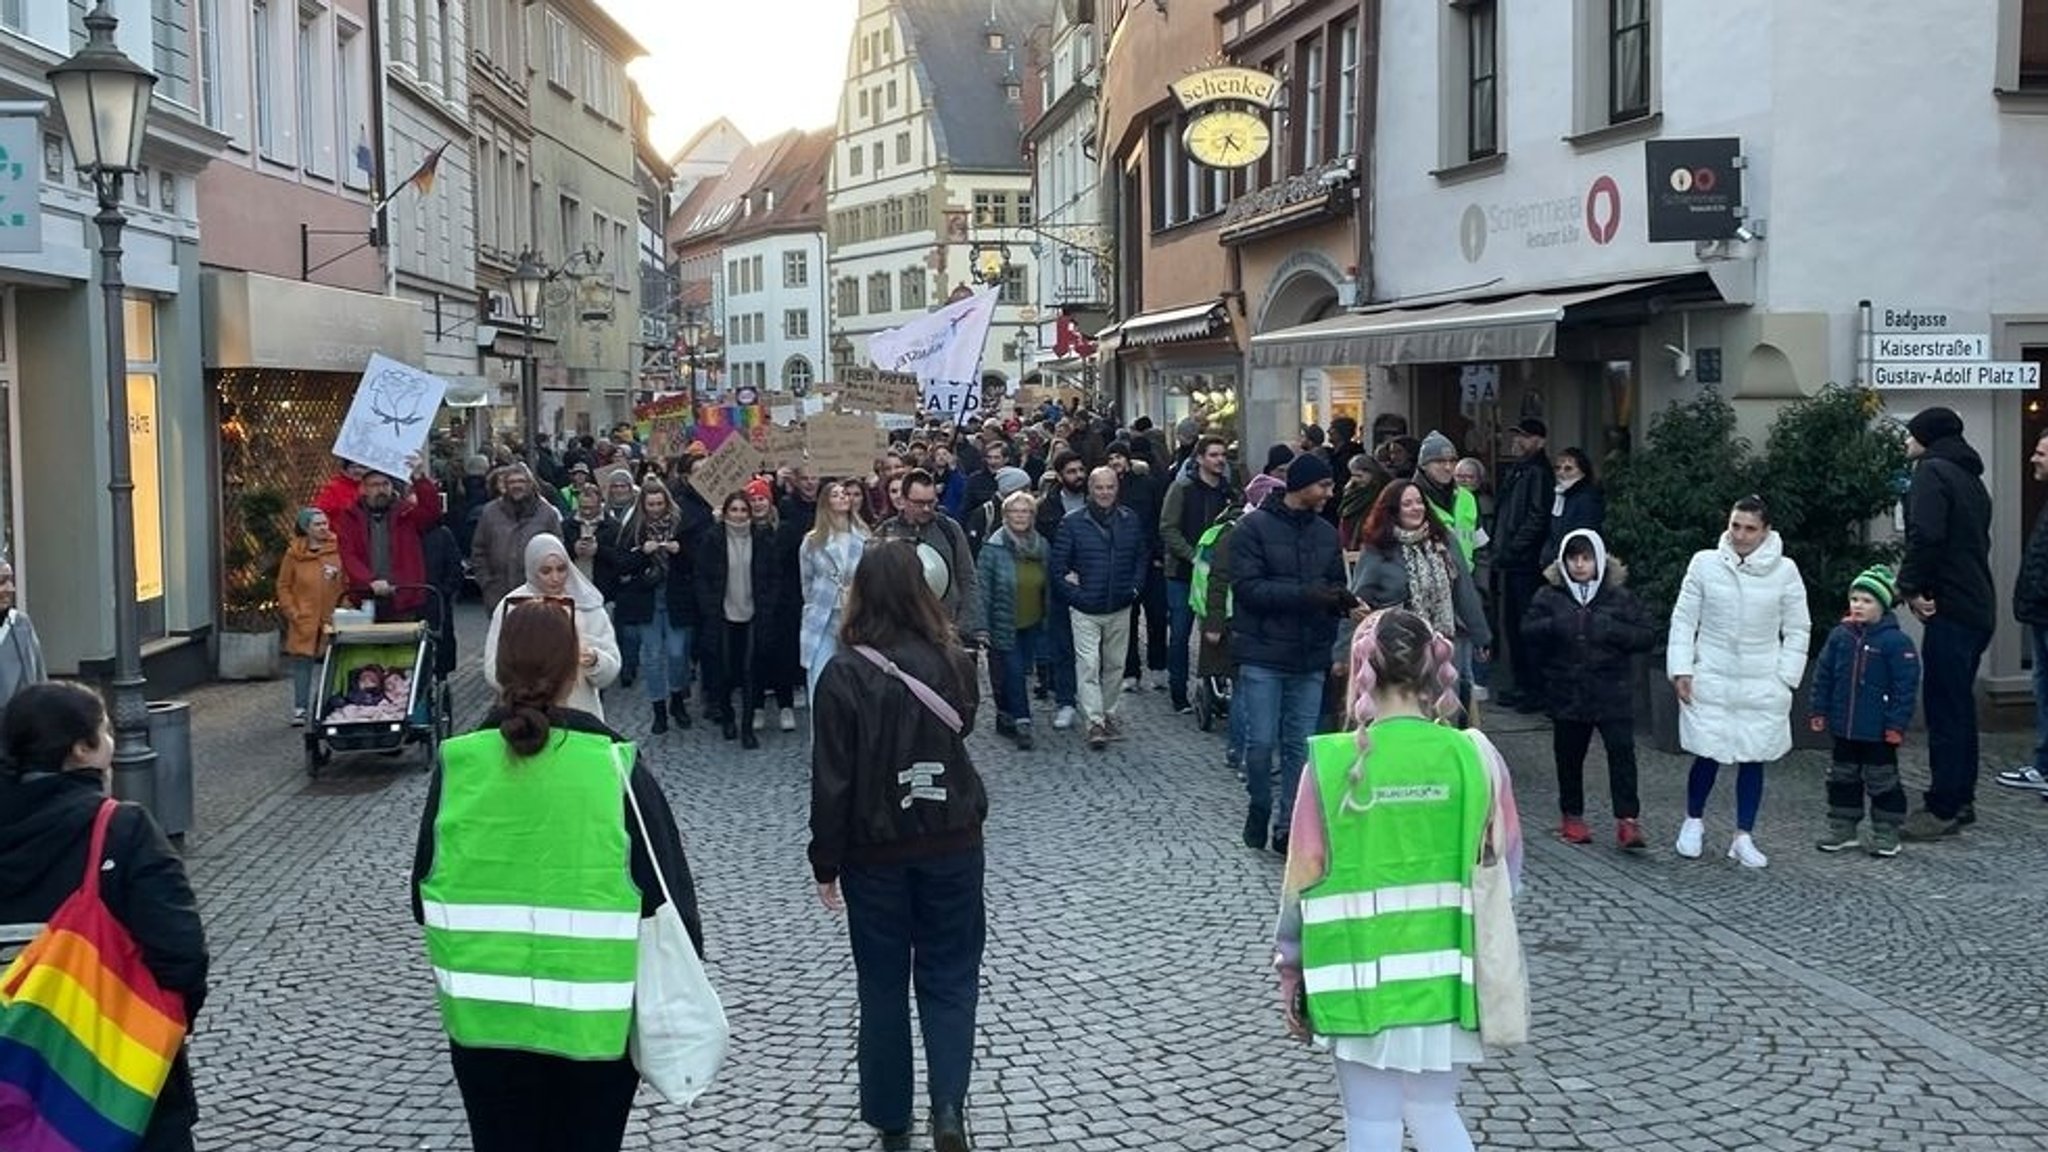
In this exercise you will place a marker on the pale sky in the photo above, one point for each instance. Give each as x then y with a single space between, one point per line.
768 65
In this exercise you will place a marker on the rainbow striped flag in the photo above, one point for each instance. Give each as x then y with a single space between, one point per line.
87 1037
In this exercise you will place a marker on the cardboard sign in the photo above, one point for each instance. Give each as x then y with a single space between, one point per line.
389 420
725 471
870 390
783 447
843 445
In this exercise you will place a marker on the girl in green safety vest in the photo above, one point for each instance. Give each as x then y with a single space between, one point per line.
1375 940
531 879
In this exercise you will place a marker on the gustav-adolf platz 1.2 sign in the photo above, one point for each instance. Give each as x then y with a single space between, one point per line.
1912 347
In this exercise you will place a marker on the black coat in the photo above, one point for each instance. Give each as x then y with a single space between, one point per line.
1585 650
711 569
1522 515
2030 590
638 578
1286 574
1948 535
604 565
1585 506
45 829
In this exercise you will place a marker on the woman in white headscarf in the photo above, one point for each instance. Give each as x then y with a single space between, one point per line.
551 575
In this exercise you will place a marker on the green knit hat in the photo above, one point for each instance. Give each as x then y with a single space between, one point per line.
1879 581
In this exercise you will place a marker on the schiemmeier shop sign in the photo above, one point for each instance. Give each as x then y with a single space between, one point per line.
1228 127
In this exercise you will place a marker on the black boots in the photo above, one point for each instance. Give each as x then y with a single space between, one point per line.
949 1129
747 738
660 718
679 707
1255 822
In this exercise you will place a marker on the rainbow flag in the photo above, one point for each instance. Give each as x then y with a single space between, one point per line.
87 1037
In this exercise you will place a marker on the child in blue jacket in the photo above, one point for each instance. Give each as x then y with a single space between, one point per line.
1863 694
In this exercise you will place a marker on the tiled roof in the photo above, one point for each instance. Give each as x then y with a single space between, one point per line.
796 181
978 128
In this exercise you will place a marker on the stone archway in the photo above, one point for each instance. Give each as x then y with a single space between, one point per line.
1302 289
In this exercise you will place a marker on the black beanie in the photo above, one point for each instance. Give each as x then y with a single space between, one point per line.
1277 456
1307 468
1933 424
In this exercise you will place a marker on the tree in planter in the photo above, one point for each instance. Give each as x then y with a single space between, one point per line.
1669 498
256 536
1830 466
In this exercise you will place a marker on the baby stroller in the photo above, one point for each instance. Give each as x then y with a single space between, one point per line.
1212 701
378 692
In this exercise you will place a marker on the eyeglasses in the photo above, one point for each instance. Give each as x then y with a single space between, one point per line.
927 502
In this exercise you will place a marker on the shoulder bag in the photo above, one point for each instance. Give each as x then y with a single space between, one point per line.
1498 968
925 693
87 1035
679 1027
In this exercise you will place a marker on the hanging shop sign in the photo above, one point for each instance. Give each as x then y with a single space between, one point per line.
1227 127
1694 188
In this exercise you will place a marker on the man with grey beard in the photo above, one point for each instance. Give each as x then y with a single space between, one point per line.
497 554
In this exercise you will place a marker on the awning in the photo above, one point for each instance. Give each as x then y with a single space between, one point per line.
1517 328
1191 322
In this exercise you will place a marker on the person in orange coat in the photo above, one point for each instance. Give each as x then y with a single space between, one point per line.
310 582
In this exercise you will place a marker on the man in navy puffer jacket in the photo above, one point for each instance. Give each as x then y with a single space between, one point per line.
1863 693
1098 561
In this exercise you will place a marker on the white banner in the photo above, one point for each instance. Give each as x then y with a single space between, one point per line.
943 350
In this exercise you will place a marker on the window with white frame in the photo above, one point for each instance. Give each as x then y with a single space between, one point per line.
796 323
593 75
622 257
1628 73
1312 97
878 292
853 160
488 204
796 373
876 149
903 148
444 48
1615 63
572 222
796 269
396 42
912 292
315 107
210 76
263 63
352 102
846 295
12 17
1347 89
1014 289
170 27
561 63
425 60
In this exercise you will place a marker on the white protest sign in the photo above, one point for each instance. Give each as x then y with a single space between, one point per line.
389 420
943 350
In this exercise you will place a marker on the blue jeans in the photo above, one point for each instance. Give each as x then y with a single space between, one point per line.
1016 674
1949 653
1180 624
1237 728
1280 711
920 923
629 642
304 668
1059 630
2040 635
664 654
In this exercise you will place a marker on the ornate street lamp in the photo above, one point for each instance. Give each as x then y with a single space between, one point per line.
690 333
527 283
103 97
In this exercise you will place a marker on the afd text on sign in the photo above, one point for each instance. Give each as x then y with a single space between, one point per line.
1994 374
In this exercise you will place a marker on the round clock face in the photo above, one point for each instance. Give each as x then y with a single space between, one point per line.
1227 139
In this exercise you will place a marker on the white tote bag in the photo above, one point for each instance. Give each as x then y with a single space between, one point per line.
1498 969
679 1028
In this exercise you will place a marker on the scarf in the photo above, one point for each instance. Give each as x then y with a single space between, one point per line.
1029 546
1557 502
1429 580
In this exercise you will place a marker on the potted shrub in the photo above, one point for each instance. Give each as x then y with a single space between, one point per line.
1831 465
1666 500
256 530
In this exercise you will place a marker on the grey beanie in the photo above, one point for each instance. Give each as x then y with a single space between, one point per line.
1436 446
1010 480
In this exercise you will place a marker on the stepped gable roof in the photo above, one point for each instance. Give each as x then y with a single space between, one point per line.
977 128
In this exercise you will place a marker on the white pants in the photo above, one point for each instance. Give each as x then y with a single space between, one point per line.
1099 643
1377 1103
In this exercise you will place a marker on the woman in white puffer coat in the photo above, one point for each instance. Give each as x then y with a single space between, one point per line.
1736 652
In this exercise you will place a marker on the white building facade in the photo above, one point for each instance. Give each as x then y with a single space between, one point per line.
432 234
1520 207
774 306
1071 245
928 177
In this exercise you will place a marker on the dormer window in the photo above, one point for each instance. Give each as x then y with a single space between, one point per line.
1013 92
995 40
768 200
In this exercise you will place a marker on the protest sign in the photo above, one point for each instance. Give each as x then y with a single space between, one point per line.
843 444
725 471
390 417
868 390
782 446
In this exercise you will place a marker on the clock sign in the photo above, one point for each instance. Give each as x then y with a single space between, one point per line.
1227 138
1226 126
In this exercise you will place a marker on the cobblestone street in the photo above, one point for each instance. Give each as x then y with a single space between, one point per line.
1829 1002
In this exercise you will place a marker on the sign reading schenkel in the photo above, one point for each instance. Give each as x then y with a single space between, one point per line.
1695 188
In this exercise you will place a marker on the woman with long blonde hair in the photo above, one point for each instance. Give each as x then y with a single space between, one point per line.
831 552
1388 827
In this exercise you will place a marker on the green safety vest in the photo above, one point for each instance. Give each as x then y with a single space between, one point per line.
1198 576
1386 936
1462 521
532 917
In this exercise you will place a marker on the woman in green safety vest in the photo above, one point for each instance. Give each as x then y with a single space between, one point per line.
1375 940
531 879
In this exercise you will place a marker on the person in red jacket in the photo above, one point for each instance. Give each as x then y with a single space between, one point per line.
379 538
341 489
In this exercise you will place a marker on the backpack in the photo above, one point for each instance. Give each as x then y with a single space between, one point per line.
1205 552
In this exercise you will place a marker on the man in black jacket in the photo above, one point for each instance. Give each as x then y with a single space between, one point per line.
1139 489
1068 496
1946 580
1521 525
2030 607
1193 502
1287 583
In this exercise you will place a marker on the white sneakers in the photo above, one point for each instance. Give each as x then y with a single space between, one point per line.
787 721
1690 835
1742 849
1064 718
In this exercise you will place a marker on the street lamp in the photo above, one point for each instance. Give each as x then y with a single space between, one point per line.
528 281
690 333
103 97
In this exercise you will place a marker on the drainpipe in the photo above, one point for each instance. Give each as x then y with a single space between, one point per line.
1368 139
380 227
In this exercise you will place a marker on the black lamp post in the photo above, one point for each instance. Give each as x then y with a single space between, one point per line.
689 334
104 99
528 281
